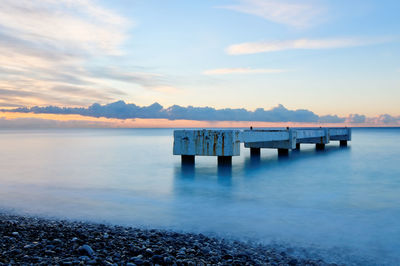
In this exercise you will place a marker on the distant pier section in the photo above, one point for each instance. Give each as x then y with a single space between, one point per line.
225 143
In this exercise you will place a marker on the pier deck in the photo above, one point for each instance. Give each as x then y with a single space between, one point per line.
225 143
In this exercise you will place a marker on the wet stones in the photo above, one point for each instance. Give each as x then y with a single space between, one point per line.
86 250
25 240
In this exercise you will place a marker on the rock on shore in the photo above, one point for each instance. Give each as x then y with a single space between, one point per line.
26 240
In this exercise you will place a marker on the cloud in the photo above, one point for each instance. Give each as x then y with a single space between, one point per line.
297 14
148 80
225 71
81 25
384 119
50 51
39 92
123 111
305 44
331 119
356 118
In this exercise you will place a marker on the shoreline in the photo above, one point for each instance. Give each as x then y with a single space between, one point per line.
31 240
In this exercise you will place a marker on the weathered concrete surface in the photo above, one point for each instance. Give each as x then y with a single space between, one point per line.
207 142
313 135
273 139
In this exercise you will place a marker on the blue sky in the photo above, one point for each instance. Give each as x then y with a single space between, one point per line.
330 57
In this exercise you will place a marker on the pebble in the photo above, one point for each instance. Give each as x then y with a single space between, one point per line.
44 242
157 259
86 249
137 261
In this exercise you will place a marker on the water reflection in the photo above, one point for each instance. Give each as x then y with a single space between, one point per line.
252 162
224 173
249 165
187 171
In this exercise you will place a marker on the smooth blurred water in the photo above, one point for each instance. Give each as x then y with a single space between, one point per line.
344 203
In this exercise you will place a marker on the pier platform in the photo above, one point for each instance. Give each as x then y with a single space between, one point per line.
225 143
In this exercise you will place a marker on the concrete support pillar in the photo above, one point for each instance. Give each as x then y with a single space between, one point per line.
343 143
320 146
187 159
297 146
283 152
255 151
224 160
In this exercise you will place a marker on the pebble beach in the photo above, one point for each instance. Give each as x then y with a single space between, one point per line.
38 241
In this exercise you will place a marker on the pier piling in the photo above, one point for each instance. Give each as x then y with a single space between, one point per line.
283 152
255 151
320 146
187 159
225 160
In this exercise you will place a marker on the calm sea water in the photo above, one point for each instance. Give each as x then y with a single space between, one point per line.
342 203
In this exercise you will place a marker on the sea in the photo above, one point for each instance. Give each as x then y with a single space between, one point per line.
341 204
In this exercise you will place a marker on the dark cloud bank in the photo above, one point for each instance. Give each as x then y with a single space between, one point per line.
122 110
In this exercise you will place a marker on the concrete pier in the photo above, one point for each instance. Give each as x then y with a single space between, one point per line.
226 143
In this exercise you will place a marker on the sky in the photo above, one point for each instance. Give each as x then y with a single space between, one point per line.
304 61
